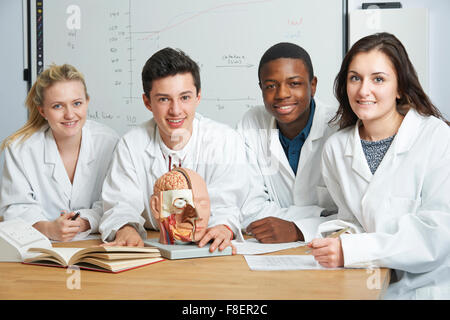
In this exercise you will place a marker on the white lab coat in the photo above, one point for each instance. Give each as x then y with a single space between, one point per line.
404 208
214 151
302 197
35 184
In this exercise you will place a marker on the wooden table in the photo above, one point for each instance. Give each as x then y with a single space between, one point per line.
216 278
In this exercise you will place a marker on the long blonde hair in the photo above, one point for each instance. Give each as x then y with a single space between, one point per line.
35 98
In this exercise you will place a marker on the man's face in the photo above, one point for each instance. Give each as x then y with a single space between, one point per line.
287 90
173 101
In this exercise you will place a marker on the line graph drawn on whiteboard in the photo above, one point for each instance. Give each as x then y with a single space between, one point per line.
225 37
126 25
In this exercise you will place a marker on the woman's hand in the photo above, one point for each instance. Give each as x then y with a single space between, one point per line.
61 229
327 252
84 224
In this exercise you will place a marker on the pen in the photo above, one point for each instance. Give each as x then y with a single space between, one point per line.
338 233
75 216
333 235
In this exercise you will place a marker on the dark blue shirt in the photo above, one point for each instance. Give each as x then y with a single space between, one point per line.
292 148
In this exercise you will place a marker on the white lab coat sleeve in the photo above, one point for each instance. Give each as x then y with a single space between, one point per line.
309 218
225 194
310 226
258 204
17 197
122 196
420 240
329 169
93 215
227 181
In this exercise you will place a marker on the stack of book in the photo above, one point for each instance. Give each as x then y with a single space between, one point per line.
106 259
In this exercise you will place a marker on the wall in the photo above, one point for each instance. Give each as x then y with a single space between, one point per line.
13 89
110 41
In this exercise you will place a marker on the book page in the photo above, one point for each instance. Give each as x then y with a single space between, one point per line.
119 265
137 252
62 254
123 256
120 249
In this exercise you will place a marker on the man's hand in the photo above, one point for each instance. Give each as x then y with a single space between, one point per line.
126 236
274 230
221 236
328 252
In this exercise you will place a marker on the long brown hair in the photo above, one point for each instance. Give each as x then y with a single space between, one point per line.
411 93
35 98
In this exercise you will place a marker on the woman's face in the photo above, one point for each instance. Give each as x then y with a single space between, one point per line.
65 108
372 86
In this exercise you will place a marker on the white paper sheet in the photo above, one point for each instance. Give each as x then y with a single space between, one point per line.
253 246
283 262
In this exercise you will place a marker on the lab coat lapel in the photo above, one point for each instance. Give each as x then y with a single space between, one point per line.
402 142
276 150
408 132
379 189
354 149
308 150
85 163
52 158
154 151
192 158
313 139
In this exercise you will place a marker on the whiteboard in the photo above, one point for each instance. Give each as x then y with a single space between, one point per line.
109 41
409 25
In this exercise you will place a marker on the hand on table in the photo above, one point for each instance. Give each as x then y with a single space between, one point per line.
126 236
221 237
274 230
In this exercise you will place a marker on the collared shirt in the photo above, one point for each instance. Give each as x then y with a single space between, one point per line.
292 148
175 158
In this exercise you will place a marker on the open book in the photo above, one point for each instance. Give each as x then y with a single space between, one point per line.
107 259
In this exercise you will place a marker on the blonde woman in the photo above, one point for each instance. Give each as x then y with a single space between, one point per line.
56 163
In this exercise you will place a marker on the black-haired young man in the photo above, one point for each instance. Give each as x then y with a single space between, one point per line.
176 136
284 140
